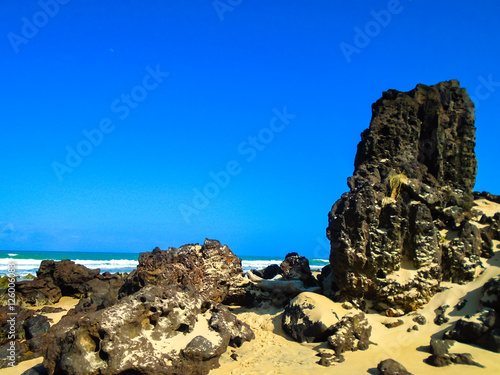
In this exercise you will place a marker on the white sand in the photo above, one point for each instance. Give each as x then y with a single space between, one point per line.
487 207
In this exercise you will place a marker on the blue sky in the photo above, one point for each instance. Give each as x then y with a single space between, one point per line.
133 124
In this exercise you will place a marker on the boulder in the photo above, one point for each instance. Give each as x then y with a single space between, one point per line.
67 275
269 272
470 328
350 334
296 267
415 168
391 367
441 357
311 317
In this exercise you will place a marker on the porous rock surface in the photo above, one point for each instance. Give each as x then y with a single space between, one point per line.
167 321
405 225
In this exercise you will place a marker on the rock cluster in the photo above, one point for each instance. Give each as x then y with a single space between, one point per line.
167 319
406 223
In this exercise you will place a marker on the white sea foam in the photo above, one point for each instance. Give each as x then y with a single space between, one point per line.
12 255
108 264
247 265
25 266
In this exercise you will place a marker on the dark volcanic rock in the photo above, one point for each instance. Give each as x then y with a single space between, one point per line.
391 367
350 334
34 293
210 268
491 294
470 328
269 272
304 318
172 295
441 357
414 173
441 317
37 370
296 267
481 328
36 326
67 275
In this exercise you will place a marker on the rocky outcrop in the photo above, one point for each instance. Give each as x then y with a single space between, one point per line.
67 275
167 320
405 225
33 293
210 268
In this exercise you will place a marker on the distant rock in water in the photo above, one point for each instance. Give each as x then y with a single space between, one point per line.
406 223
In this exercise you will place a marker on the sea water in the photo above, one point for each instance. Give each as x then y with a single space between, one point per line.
28 262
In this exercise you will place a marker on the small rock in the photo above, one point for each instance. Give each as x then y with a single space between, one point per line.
420 319
459 306
394 313
391 367
347 306
234 356
398 323
440 315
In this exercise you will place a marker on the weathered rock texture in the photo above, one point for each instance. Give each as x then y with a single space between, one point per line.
405 225
67 275
168 320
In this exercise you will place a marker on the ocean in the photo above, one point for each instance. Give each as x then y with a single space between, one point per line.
27 262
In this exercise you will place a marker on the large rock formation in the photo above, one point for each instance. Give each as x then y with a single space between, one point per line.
168 320
405 225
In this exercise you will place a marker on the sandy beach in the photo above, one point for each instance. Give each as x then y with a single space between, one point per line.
272 352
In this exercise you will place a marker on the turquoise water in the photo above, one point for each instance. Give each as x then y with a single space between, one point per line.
27 262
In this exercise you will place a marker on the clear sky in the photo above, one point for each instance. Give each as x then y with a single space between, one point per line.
131 124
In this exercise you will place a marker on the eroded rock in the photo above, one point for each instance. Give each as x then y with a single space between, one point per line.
414 173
